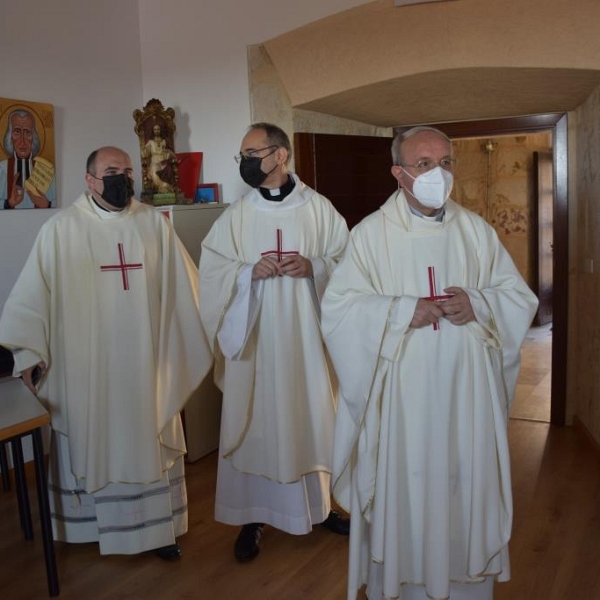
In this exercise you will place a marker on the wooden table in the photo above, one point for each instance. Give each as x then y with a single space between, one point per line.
21 414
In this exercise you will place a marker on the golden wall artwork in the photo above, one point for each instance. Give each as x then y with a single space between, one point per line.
494 178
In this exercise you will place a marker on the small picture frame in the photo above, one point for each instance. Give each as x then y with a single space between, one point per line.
207 192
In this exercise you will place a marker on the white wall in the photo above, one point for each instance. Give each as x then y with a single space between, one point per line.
194 59
89 61
84 58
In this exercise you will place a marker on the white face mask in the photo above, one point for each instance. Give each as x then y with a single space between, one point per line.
432 189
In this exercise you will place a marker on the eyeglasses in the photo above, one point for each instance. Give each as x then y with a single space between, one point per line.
426 164
238 157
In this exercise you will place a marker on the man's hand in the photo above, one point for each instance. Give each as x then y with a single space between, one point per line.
296 266
427 312
266 268
458 309
16 196
39 201
293 266
27 375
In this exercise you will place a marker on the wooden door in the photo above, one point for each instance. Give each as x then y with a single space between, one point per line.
543 237
352 171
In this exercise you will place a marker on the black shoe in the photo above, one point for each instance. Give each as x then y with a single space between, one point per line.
172 552
337 523
246 546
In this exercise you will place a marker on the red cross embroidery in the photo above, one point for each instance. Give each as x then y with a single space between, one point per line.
433 293
279 252
123 267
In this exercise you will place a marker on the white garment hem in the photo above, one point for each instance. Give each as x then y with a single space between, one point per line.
294 525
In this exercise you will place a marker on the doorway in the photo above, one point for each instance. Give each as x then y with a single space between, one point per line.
310 164
556 123
507 180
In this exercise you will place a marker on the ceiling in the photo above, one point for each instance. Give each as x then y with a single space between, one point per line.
461 95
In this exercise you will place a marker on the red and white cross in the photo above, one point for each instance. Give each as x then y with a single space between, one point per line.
279 252
433 293
123 266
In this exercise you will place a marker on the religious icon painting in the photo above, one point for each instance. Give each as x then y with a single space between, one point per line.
27 159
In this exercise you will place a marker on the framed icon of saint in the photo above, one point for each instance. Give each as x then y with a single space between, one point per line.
27 160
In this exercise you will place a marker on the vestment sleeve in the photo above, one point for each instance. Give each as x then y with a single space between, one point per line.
504 307
357 326
220 267
364 330
336 240
25 321
241 315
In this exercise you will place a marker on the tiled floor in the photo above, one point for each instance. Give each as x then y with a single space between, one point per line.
532 398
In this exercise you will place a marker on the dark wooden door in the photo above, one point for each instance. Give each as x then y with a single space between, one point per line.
544 239
352 171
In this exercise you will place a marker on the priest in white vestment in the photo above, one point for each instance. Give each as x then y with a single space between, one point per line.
424 318
263 268
107 307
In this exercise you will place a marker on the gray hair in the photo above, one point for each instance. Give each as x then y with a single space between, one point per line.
8 143
402 136
275 135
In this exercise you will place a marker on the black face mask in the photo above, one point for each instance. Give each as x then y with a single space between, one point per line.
251 172
118 189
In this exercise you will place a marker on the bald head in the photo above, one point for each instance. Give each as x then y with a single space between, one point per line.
102 165
102 154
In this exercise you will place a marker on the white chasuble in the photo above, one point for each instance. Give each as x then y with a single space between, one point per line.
421 452
279 393
111 306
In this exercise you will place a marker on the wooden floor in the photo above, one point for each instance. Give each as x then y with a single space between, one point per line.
555 548
532 397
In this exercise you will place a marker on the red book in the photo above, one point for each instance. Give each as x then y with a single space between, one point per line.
189 165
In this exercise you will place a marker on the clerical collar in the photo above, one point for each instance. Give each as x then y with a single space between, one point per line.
102 212
100 205
439 217
23 168
278 194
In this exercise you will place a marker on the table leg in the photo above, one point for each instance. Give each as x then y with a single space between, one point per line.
21 483
4 467
45 519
